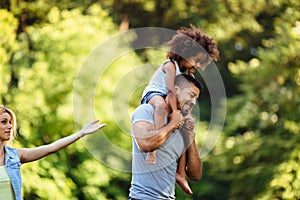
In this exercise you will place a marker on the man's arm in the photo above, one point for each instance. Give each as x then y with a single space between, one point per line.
193 160
148 139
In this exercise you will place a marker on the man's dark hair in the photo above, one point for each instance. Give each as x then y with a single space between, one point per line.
184 77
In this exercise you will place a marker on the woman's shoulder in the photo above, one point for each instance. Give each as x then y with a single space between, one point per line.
11 150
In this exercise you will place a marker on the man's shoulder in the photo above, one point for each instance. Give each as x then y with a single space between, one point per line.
143 112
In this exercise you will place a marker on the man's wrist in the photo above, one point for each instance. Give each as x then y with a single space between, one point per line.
187 131
188 136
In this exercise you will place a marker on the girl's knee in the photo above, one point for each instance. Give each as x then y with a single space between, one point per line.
158 103
161 107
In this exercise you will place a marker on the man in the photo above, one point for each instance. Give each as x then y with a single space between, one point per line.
158 181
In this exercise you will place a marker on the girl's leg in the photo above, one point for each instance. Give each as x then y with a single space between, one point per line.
181 175
151 158
160 110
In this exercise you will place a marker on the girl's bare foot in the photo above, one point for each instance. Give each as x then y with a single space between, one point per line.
183 184
151 158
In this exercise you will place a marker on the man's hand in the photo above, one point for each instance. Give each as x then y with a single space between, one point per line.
188 129
189 123
194 163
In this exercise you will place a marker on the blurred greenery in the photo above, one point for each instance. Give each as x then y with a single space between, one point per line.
44 44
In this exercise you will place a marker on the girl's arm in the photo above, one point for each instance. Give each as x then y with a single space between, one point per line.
32 154
170 70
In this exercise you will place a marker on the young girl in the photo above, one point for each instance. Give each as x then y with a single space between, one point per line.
189 50
11 159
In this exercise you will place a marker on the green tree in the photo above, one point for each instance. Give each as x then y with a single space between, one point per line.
44 68
256 157
8 46
257 154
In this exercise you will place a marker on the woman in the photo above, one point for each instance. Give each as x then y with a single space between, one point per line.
11 159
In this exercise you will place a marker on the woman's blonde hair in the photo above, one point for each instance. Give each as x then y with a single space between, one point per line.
13 123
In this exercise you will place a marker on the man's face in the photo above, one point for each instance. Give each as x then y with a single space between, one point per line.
187 95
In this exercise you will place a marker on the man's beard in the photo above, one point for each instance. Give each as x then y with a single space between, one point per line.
186 108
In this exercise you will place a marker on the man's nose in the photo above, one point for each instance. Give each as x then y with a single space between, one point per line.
193 101
200 67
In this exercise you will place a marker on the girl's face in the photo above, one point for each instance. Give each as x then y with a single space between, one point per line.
194 63
5 127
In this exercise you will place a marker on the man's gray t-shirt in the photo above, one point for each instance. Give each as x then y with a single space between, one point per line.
153 182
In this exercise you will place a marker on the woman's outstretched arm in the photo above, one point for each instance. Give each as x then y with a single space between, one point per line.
32 154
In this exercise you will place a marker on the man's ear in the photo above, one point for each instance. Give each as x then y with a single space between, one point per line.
177 89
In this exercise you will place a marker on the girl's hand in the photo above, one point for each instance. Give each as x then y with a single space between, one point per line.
90 127
176 118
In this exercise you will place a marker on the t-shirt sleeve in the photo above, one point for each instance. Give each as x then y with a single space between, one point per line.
144 112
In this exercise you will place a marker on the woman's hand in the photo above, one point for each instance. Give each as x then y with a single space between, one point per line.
90 127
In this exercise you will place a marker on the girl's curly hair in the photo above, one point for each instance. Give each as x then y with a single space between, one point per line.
189 42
